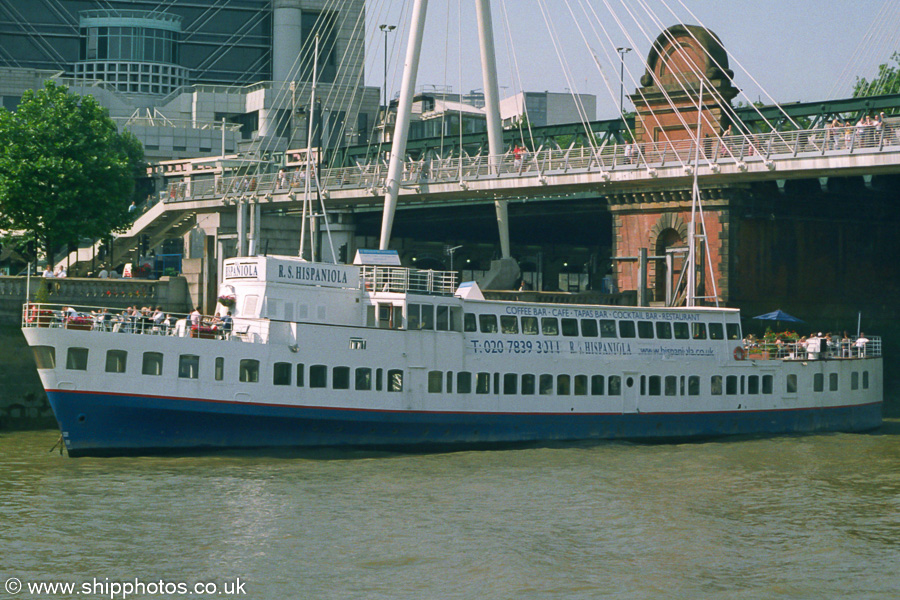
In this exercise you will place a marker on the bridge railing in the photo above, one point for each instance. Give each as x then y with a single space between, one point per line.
738 149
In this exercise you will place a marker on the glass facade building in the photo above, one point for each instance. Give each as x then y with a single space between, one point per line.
224 42
135 52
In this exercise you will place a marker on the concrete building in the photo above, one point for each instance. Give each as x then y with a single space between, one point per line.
178 74
548 108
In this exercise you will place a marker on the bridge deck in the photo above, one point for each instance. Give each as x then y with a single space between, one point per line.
547 173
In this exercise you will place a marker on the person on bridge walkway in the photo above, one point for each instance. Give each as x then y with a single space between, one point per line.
517 158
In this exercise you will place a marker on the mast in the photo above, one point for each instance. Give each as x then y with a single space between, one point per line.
691 296
307 205
401 128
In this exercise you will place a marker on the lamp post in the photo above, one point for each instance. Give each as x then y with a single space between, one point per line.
622 52
386 29
450 251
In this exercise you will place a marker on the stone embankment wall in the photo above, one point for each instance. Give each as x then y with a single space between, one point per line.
23 403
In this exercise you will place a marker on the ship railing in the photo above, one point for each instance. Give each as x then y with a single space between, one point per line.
853 347
103 319
406 280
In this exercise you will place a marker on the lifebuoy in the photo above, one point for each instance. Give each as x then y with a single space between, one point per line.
740 353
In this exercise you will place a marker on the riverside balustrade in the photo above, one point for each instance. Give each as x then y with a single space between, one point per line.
739 150
169 292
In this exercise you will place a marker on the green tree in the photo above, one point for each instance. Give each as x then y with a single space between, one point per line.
66 172
886 82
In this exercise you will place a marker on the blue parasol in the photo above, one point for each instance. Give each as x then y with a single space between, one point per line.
779 315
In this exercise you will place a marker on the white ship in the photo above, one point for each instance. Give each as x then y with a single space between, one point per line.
377 355
384 356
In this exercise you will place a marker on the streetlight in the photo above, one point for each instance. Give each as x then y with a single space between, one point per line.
386 29
622 52
450 251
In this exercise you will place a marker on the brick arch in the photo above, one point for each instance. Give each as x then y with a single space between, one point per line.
667 222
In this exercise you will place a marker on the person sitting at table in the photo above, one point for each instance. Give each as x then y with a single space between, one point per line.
157 319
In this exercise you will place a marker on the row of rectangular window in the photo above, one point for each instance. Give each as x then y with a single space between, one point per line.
605 328
445 318
526 385
130 68
365 378
599 385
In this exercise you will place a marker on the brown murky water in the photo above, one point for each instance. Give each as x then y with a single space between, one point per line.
790 517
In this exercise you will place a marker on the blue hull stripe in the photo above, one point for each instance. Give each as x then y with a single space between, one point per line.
102 423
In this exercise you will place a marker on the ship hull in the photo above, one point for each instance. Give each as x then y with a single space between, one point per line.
112 424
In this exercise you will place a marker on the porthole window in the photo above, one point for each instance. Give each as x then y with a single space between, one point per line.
340 378
318 376
570 327
663 330
509 324
482 383
791 384
45 357
464 382
153 363
115 361
510 383
487 323
248 371
528 384
281 373
189 366
645 330
597 386
607 328
76 359
545 385
615 385
435 382
549 326
395 380
363 378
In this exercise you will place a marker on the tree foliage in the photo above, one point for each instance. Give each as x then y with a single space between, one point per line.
66 172
886 82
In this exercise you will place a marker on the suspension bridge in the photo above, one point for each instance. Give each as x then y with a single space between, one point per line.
684 127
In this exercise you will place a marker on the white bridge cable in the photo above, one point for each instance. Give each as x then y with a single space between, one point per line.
727 106
644 64
681 78
666 34
878 44
883 50
735 60
513 62
329 19
566 69
646 68
723 103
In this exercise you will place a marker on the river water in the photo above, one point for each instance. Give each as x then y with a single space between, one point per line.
787 517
